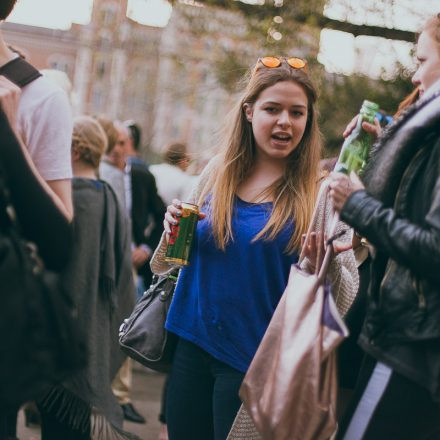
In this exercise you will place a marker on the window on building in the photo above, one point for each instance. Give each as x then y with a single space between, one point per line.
108 13
101 68
60 62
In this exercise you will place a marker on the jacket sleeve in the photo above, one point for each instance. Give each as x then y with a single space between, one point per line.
414 246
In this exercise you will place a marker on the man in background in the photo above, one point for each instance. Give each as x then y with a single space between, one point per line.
144 206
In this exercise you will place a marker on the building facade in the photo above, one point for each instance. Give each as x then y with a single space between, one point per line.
111 62
166 79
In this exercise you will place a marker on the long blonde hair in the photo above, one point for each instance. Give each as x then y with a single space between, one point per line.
294 193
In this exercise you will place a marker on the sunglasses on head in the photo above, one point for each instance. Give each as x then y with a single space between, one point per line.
294 62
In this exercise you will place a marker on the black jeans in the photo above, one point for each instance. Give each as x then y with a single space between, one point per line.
405 410
202 399
8 423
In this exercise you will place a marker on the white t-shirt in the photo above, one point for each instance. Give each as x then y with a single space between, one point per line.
45 126
172 182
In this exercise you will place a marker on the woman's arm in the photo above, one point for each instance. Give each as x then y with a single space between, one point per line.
414 246
40 219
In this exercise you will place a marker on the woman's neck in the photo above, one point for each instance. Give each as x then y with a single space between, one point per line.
83 170
262 175
273 168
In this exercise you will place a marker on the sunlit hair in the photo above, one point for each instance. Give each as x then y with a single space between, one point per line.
432 27
294 193
110 131
407 101
88 140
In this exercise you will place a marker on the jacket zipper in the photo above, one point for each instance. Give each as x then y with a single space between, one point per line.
420 294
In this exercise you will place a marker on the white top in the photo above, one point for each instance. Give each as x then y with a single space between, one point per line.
172 182
45 125
115 178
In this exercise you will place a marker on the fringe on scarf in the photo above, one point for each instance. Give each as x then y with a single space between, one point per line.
102 429
79 415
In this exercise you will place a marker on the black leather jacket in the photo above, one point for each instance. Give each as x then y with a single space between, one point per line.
399 213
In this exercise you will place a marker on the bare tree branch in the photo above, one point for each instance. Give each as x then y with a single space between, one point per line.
309 12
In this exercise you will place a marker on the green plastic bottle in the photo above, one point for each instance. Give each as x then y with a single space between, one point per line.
356 147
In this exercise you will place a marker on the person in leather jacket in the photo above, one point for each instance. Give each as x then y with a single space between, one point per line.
398 211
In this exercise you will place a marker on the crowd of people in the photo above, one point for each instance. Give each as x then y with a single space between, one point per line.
101 217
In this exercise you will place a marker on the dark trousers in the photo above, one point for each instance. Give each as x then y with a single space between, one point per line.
53 429
163 402
8 423
402 410
202 399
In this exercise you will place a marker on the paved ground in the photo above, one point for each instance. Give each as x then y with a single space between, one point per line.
147 388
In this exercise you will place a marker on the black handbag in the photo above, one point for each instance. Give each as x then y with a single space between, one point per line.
41 343
143 336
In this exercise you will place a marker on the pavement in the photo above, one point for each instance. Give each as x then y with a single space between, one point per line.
147 389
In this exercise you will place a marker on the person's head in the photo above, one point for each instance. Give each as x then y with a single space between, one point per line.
275 120
118 153
89 142
176 154
428 55
134 138
6 7
109 130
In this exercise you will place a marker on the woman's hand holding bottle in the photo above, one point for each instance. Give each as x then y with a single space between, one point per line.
374 129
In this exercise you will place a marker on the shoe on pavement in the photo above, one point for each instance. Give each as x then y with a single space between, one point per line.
131 414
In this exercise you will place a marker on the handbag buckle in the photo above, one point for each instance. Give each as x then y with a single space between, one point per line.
163 295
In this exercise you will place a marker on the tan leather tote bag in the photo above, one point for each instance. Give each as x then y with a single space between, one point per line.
290 389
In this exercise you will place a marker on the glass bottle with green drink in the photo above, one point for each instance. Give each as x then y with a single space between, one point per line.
356 147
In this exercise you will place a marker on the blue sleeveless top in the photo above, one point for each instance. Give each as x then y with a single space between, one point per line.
224 300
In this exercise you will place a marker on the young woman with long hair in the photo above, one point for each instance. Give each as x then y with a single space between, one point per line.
258 195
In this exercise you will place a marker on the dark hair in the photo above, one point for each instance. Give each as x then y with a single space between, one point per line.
135 133
6 7
175 153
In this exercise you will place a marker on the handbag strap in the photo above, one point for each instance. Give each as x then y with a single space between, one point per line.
20 72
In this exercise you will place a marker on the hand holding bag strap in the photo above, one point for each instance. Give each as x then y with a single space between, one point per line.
322 264
316 212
